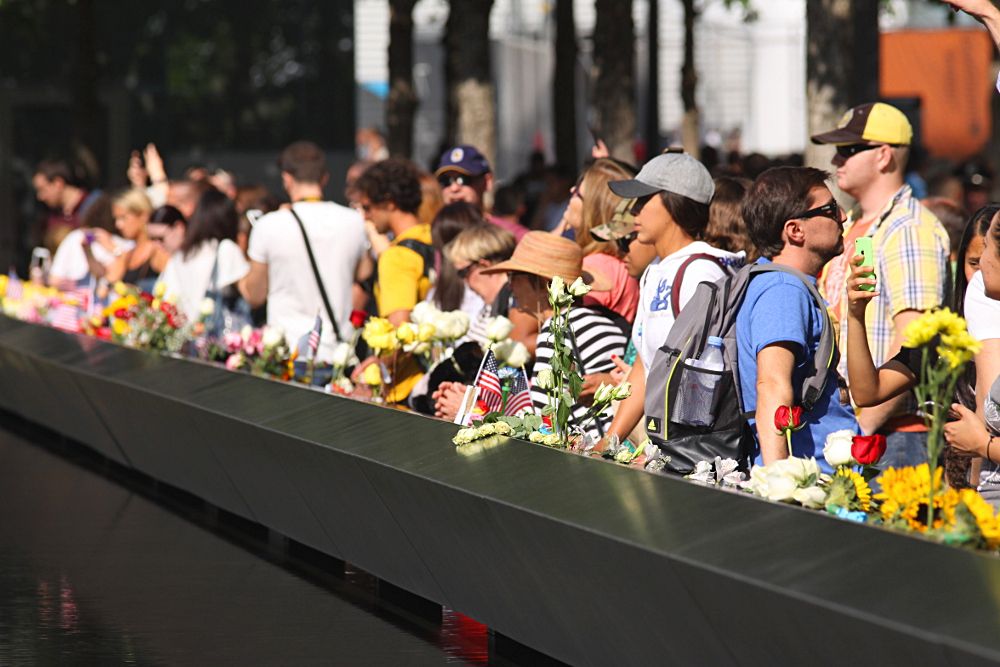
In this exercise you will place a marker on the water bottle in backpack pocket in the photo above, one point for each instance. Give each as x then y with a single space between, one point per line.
701 379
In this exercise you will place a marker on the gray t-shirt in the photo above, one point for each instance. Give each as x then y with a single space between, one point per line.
989 476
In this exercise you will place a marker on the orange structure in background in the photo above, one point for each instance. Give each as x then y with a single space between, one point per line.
951 72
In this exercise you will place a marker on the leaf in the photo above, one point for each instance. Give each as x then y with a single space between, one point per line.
575 384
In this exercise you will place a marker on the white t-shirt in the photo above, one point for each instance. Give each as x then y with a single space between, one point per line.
190 277
982 314
337 236
655 315
70 262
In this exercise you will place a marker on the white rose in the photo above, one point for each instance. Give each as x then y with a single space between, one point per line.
502 428
604 393
246 332
207 307
557 289
423 312
544 379
579 288
503 349
536 437
518 355
623 391
837 450
551 439
272 337
812 497
342 353
499 328
780 488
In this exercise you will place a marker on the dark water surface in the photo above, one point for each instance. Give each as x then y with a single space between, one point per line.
93 573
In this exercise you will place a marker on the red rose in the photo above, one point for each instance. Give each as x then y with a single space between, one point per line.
868 449
358 318
146 296
788 418
121 314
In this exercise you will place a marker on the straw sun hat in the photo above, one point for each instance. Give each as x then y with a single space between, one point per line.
547 255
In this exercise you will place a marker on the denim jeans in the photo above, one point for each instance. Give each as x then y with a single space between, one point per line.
904 449
321 374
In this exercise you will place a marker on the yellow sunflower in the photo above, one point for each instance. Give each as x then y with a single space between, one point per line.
861 488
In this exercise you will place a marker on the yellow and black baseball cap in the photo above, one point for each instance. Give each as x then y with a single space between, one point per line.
876 121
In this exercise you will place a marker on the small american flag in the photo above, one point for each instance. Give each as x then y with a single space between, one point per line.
314 336
66 317
15 288
491 386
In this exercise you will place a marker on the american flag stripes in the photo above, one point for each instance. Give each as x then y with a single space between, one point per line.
490 386
314 336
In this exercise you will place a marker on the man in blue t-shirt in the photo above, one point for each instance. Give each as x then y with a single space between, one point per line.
794 220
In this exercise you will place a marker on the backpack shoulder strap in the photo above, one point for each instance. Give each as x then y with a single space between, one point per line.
675 291
319 279
826 356
425 251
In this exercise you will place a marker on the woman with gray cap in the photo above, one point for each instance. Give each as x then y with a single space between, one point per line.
672 193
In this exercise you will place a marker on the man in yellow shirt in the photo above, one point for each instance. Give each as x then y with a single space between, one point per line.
389 193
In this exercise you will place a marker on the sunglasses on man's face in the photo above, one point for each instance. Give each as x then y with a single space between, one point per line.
625 243
830 210
848 151
447 180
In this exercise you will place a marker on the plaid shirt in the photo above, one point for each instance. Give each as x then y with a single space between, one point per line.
911 264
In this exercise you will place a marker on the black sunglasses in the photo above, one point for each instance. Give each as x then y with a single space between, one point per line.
625 242
464 272
447 180
829 210
847 151
640 202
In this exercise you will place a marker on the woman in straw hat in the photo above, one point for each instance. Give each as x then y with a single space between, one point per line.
538 258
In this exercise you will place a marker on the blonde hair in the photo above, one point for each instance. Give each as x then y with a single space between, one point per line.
599 204
484 241
134 201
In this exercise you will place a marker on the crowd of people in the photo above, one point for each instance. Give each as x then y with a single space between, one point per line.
644 240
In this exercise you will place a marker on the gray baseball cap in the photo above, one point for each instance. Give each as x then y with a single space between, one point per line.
674 172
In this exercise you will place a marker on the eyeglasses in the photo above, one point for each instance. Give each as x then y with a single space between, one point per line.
464 272
575 192
640 202
829 210
848 151
447 180
625 242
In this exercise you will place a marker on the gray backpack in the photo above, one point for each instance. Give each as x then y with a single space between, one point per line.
675 419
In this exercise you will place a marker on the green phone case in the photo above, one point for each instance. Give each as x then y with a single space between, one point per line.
863 246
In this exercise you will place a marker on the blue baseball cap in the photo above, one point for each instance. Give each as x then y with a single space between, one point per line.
465 160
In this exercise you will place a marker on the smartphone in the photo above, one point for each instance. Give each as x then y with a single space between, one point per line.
863 246
41 262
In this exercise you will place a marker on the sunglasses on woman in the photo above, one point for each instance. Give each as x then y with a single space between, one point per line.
625 242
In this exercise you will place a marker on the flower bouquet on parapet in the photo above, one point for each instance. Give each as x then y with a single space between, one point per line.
263 352
142 320
849 495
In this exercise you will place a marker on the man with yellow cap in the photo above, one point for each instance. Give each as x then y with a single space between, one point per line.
911 257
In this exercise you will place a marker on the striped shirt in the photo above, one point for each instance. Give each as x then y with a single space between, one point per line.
911 266
597 338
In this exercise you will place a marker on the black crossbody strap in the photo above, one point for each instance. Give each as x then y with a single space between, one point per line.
315 268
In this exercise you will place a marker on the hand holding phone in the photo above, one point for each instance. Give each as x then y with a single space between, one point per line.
863 246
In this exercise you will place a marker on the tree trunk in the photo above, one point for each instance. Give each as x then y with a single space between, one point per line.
86 106
653 84
614 84
471 93
842 65
691 122
401 105
564 99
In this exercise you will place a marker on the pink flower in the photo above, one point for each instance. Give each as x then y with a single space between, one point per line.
254 344
232 341
235 361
